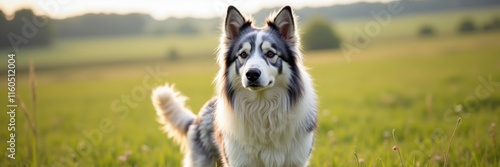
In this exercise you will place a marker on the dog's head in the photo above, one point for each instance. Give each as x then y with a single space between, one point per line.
259 58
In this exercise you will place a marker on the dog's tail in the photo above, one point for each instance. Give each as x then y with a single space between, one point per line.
172 113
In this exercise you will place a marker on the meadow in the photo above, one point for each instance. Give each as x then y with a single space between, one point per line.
101 115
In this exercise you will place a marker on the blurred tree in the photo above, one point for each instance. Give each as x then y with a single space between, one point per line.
102 25
426 31
319 35
4 42
25 29
159 30
187 28
493 25
173 54
466 26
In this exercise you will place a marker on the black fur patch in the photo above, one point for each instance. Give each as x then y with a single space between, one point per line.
186 126
224 154
296 86
278 65
230 57
237 66
311 124
311 148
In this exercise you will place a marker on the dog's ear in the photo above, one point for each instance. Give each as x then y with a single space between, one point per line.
285 22
233 23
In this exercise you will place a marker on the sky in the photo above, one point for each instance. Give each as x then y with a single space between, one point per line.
158 9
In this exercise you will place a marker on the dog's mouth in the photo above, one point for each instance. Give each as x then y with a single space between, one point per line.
255 86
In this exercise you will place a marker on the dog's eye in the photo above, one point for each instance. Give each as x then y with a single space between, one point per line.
243 55
270 54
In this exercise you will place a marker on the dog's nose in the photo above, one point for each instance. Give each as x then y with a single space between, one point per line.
253 74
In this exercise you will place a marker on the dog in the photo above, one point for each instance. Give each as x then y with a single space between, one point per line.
264 111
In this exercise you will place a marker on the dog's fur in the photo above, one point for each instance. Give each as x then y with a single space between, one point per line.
264 113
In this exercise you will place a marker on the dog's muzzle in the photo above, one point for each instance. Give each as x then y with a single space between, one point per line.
253 75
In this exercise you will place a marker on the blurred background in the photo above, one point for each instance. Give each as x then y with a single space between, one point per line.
85 70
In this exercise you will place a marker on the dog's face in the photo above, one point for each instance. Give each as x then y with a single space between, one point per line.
257 60
260 57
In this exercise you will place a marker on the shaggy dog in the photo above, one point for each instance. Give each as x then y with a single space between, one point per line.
264 111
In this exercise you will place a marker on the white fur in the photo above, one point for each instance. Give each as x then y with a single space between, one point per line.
262 131
194 133
260 128
169 105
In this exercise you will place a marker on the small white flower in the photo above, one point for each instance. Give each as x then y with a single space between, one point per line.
144 147
122 158
459 108
330 133
128 153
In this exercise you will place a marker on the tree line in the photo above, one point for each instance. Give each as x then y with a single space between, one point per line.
24 28
16 30
101 25
27 29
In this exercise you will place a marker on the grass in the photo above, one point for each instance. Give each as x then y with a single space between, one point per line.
70 52
451 141
102 115
396 148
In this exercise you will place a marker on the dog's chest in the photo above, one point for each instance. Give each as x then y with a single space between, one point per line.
267 131
263 121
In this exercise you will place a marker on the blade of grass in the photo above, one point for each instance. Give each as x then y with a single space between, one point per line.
449 144
26 114
356 156
396 148
32 81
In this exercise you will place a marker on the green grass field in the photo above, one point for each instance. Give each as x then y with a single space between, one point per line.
90 116
70 52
